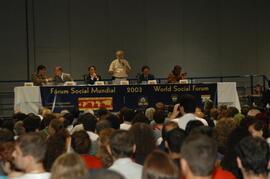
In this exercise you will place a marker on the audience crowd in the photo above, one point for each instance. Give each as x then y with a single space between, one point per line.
154 143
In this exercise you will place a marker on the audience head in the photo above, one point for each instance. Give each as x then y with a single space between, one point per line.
144 138
68 166
253 156
257 128
68 119
192 125
159 116
159 106
103 154
114 120
41 69
208 105
6 136
88 121
29 151
253 112
149 113
55 126
46 121
198 154
103 113
19 129
205 130
167 127
57 145
31 123
214 114
224 127
102 124
104 174
19 116
232 111
158 165
7 160
187 104
140 118
175 139
80 142
121 145
128 114
245 109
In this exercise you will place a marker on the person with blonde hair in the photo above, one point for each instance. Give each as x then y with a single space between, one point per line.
68 166
102 153
159 165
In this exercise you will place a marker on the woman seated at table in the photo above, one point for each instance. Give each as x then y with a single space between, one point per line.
91 77
145 75
176 75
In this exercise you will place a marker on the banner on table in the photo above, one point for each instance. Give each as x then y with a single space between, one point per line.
114 97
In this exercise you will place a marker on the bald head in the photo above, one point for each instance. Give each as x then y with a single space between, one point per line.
120 54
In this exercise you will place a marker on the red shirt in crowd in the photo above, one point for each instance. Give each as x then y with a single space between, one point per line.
221 174
92 161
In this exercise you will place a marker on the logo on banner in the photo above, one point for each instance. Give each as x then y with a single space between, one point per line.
143 101
95 103
174 98
205 97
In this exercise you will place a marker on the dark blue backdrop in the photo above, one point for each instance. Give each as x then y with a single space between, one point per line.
134 96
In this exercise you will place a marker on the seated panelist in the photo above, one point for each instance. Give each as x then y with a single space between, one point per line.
145 75
60 77
92 76
176 75
39 78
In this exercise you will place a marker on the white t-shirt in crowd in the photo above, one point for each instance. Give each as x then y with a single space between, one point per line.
125 126
45 175
182 121
127 168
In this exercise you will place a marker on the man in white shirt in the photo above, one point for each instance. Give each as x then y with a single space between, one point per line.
29 153
187 107
121 146
128 115
119 67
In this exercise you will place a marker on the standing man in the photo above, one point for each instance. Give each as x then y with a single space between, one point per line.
119 67
60 77
39 78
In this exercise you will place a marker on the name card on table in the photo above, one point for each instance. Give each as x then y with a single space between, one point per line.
28 84
70 83
124 82
183 82
152 82
99 83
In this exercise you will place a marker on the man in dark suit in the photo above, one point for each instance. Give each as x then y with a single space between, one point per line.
92 76
145 75
60 77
